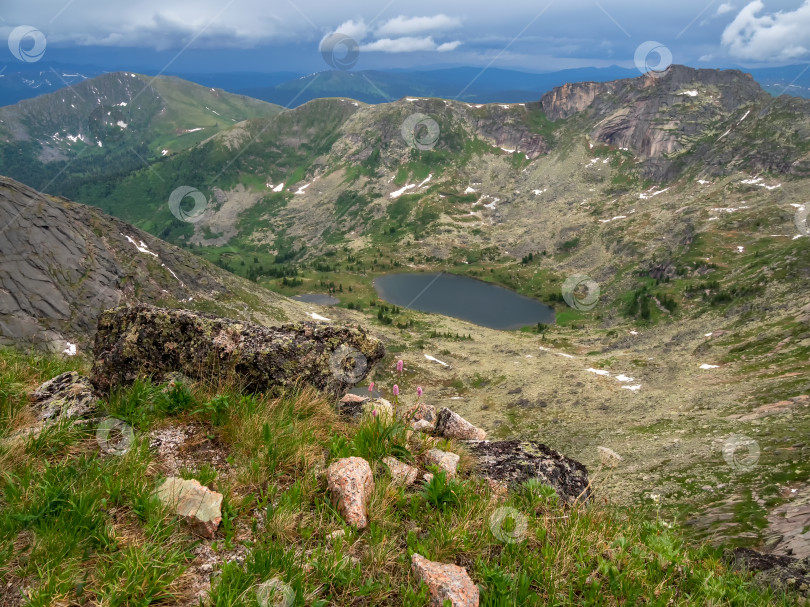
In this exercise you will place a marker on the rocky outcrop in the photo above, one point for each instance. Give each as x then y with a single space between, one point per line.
450 424
782 573
514 462
197 504
445 582
66 396
350 484
147 341
656 116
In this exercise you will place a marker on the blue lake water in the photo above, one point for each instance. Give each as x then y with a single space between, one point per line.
466 298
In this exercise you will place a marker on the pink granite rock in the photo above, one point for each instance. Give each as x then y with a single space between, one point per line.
445 582
401 473
350 484
197 504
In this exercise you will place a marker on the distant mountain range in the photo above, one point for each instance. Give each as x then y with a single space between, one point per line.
20 81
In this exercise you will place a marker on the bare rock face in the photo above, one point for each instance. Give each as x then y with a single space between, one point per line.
782 573
401 473
657 116
445 460
446 582
66 396
197 504
514 462
350 483
450 424
145 340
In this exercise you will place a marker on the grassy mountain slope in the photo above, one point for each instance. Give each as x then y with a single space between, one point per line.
112 125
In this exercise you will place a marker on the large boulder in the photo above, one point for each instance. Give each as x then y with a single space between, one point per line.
144 340
514 462
445 582
350 484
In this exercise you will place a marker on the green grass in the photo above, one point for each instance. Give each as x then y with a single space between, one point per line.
80 526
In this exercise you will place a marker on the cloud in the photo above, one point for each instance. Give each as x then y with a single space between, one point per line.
779 36
354 29
409 44
408 26
724 8
399 35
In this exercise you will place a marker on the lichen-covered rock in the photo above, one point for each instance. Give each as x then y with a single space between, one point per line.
421 412
401 473
514 462
423 426
145 340
197 504
445 582
772 570
351 483
450 424
445 460
66 396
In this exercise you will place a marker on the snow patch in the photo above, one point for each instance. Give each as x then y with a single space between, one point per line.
279 187
302 188
71 349
635 388
401 191
164 152
428 178
315 316
692 93
436 360
140 246
469 190
650 193
598 371
705 366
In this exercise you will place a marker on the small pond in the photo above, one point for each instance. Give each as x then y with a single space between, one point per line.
462 297
322 299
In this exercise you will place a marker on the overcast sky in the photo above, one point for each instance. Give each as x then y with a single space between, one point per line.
286 35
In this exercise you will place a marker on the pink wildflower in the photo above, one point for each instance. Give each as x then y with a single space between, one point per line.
396 390
371 387
419 391
400 365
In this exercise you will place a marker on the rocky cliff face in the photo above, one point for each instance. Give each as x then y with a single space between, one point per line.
661 118
62 263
